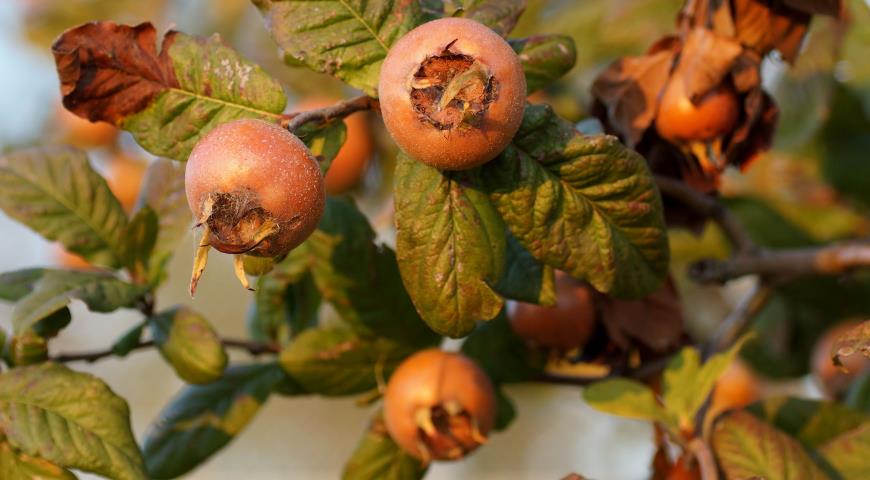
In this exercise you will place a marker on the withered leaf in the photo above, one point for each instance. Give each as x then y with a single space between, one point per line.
755 133
655 321
705 60
629 89
764 26
746 73
819 7
109 71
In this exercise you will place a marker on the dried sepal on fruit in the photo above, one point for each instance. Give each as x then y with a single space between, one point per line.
834 379
255 189
452 93
439 405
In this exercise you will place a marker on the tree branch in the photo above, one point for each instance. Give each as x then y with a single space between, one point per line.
709 207
787 263
253 348
323 115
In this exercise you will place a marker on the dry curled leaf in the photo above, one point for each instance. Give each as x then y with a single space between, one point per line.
754 135
655 321
629 90
765 26
109 71
705 61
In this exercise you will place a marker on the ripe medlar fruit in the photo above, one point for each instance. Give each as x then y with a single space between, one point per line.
737 387
439 405
567 325
452 93
833 380
680 120
255 188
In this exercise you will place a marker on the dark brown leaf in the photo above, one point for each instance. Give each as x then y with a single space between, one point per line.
109 71
746 73
764 26
655 321
629 90
755 133
833 8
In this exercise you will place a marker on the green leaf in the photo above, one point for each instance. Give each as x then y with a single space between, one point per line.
583 204
56 192
501 353
686 383
129 340
849 453
812 422
15 465
499 15
324 140
348 39
215 85
51 325
545 58
101 293
139 239
361 278
27 348
163 192
843 143
747 447
70 419
450 246
626 398
525 278
17 284
284 305
378 457
202 419
505 412
336 361
190 344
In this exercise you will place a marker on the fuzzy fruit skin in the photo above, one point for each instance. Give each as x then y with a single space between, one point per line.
830 378
428 379
349 166
567 325
452 149
266 159
679 120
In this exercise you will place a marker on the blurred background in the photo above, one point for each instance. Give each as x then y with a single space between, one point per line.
813 186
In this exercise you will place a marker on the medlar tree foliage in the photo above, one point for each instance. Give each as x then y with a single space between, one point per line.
471 238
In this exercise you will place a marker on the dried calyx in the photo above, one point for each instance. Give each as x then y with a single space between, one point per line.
235 223
446 432
452 90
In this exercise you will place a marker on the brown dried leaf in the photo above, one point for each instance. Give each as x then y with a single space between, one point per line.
755 133
856 340
764 26
655 321
629 89
109 71
746 73
705 61
819 7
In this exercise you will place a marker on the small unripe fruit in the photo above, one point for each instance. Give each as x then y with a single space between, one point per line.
679 120
452 93
832 379
349 166
249 177
567 325
439 405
